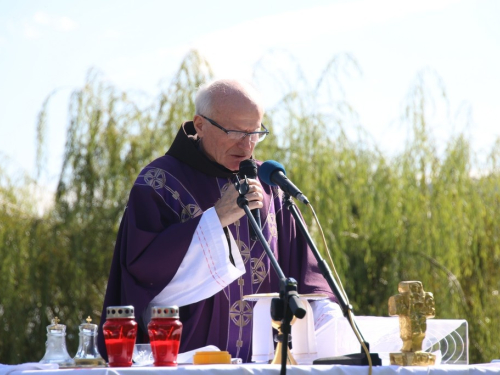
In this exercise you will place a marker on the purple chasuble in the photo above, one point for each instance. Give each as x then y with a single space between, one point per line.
164 208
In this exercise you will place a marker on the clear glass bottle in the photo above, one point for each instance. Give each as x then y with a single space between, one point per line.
55 347
120 332
165 331
88 355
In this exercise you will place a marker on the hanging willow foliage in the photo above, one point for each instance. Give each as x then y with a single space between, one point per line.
414 216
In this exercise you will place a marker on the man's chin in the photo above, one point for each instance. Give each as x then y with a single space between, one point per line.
234 165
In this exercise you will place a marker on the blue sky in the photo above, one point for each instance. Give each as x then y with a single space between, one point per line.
49 46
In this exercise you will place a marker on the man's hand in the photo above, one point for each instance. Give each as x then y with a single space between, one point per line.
227 207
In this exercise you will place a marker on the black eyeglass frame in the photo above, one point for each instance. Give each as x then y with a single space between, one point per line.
262 134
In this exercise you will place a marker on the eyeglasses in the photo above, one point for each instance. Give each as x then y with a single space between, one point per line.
237 135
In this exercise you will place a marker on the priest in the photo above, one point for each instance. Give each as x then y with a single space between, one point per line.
184 241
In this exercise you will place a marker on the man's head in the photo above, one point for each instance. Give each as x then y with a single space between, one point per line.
233 105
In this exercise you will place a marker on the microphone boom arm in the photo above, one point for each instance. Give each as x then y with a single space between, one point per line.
353 359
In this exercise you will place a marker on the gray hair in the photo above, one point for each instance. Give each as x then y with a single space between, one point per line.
209 93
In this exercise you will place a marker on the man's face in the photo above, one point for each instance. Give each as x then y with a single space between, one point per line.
232 115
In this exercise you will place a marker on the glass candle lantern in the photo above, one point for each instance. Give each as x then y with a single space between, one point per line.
164 331
120 332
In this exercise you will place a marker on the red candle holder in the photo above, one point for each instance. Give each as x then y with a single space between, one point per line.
120 332
165 331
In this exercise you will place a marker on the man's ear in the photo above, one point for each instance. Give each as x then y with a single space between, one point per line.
198 125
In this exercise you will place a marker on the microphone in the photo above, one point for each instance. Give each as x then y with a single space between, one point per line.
248 168
273 173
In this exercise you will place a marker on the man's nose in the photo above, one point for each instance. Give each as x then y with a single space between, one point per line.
246 143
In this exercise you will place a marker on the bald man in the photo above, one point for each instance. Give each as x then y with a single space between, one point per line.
184 241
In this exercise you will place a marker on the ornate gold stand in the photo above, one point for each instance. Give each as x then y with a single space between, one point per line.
413 306
412 359
279 347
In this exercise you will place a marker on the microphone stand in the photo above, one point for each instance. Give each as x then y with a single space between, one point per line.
358 359
288 304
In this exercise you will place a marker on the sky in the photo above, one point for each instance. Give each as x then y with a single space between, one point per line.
47 48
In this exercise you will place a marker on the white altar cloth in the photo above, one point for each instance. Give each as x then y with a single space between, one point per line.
266 369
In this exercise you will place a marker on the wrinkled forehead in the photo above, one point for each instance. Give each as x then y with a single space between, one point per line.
236 103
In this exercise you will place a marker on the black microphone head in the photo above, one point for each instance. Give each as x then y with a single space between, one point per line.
248 168
267 169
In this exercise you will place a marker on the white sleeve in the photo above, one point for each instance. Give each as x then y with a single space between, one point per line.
325 310
206 268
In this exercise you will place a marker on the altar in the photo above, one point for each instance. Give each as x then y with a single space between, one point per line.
447 338
479 369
